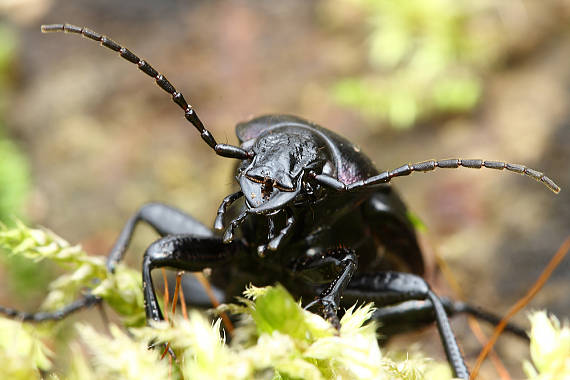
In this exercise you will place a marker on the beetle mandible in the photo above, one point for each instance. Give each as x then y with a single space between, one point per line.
313 213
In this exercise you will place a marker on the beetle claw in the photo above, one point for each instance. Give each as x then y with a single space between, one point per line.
261 250
219 223
328 310
228 235
274 243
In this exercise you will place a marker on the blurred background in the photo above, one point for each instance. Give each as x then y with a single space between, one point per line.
85 139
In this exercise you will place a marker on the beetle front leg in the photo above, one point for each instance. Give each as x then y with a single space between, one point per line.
185 252
339 263
227 201
389 288
275 241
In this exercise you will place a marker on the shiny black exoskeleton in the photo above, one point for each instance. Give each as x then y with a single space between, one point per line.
312 212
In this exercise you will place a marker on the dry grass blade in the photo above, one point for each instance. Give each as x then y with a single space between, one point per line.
474 324
554 262
202 279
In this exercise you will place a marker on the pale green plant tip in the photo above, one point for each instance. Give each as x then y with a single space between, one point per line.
22 353
309 350
276 310
277 339
549 348
252 292
121 357
122 290
14 167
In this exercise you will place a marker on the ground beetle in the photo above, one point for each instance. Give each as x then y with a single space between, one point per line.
313 213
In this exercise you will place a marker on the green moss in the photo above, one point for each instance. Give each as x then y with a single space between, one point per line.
276 338
424 58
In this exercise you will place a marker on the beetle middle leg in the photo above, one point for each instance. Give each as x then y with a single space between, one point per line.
389 288
339 264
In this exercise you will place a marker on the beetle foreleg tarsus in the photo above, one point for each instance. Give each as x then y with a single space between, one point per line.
328 310
261 250
275 242
229 233
226 202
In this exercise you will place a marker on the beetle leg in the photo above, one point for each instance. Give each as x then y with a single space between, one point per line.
164 219
185 252
270 235
87 301
276 241
229 233
389 288
425 166
340 263
410 315
223 150
457 307
271 227
219 222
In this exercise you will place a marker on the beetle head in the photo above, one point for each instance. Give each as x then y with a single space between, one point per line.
274 177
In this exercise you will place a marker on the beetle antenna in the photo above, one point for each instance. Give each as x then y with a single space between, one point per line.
430 165
223 150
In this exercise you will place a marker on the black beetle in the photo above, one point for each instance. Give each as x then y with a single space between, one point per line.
316 215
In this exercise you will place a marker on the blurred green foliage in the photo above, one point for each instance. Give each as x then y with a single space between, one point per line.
549 348
122 290
14 179
14 170
425 58
14 175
